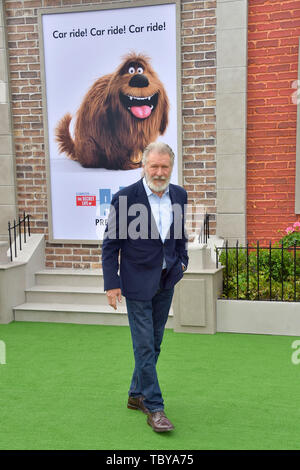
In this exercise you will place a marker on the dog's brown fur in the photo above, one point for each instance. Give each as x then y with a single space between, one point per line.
107 135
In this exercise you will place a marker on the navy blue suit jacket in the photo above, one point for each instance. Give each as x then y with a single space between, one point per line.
141 257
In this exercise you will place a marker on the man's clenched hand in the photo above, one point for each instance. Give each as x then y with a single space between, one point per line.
112 296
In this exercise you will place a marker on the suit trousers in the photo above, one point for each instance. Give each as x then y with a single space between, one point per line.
147 320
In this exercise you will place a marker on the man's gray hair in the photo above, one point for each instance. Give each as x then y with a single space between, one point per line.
159 147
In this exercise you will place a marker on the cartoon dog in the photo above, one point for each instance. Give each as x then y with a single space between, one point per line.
120 115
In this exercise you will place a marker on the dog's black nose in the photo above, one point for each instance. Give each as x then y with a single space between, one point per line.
139 81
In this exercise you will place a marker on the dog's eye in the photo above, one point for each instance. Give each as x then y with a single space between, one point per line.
131 70
140 70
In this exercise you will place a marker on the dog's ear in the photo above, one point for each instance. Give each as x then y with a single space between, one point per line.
165 111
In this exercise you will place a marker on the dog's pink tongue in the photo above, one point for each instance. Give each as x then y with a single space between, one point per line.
141 112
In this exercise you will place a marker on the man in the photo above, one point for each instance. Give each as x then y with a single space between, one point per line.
153 256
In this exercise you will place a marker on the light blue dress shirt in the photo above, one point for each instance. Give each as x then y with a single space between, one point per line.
161 208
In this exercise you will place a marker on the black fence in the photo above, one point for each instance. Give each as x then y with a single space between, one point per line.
260 272
15 230
204 233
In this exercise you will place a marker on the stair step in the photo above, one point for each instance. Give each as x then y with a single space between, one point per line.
72 289
70 277
81 308
72 313
71 296
66 294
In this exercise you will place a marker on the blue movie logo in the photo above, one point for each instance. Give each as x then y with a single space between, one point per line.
105 197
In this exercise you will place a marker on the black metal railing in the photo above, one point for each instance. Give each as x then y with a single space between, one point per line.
260 272
204 232
19 227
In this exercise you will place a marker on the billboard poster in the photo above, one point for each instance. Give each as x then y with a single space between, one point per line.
110 88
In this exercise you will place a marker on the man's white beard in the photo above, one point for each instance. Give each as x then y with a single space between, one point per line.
163 183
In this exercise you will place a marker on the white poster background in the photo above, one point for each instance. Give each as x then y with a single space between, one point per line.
72 65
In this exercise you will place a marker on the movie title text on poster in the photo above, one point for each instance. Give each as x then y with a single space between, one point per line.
96 31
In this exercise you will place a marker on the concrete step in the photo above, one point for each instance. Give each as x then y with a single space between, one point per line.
79 314
71 296
64 294
70 277
71 313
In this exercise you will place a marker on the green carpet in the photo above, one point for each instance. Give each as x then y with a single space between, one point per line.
65 387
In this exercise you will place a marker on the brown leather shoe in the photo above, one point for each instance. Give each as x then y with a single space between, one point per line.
159 422
137 404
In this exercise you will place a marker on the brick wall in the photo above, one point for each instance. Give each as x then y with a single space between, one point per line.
7 172
198 105
274 29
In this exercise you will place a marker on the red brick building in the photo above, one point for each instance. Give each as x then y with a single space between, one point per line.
273 60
